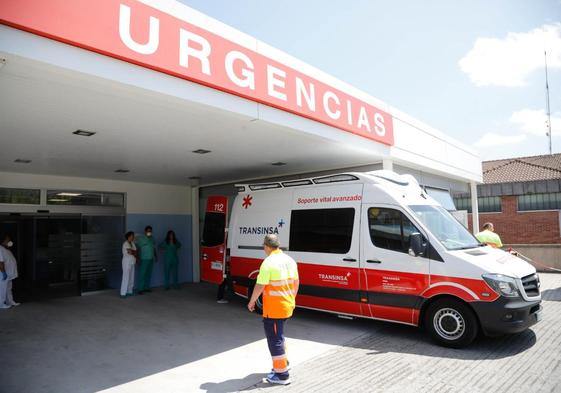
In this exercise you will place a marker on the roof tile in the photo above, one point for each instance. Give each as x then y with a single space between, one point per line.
522 169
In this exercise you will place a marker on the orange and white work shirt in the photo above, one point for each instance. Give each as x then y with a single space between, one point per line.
278 273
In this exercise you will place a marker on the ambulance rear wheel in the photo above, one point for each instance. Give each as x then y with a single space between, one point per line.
451 323
259 302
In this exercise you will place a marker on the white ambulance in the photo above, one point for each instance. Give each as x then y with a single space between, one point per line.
374 245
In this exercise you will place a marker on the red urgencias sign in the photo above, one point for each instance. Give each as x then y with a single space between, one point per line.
134 32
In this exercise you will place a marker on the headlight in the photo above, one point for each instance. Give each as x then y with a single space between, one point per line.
503 285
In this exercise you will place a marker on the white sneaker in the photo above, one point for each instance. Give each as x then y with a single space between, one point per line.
222 301
15 304
4 306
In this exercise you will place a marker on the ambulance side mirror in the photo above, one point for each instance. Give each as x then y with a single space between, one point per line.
416 246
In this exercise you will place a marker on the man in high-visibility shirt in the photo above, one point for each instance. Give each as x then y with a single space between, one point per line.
278 282
488 236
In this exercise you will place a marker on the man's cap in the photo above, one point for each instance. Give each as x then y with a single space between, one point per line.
271 241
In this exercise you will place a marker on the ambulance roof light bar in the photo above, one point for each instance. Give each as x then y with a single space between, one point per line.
299 182
264 186
335 178
295 183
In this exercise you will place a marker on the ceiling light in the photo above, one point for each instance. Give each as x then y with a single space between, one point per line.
83 133
122 171
278 163
58 200
22 161
201 151
70 194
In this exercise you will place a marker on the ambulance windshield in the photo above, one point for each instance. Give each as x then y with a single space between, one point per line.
452 234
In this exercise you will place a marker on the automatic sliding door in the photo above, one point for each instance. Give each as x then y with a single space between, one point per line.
58 255
102 237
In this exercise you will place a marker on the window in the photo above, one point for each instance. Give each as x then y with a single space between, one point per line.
441 196
448 231
20 196
485 204
547 201
214 229
390 229
85 198
322 230
463 203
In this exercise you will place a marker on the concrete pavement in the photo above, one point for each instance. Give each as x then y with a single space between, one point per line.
165 341
395 358
182 341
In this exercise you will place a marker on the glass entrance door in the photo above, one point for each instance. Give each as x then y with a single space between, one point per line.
64 254
57 255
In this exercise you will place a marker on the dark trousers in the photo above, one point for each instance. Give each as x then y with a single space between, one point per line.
274 331
224 289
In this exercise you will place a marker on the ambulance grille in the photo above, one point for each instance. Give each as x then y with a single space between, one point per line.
531 285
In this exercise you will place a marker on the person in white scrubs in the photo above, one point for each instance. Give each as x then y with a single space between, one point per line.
129 260
9 274
3 281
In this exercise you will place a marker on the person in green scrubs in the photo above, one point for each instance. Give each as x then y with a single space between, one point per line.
147 251
170 246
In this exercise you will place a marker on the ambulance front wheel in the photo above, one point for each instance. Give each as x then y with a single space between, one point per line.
451 323
259 302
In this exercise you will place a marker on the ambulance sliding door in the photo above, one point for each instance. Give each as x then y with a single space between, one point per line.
324 240
213 245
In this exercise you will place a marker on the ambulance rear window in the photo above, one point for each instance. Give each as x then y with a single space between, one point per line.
322 230
213 232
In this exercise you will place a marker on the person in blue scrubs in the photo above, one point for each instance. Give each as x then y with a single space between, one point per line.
170 246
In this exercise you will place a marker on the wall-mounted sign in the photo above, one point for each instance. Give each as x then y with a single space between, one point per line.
134 32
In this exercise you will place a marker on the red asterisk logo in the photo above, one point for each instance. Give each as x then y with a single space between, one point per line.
247 201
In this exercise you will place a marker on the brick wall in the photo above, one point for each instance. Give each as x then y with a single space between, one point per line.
522 227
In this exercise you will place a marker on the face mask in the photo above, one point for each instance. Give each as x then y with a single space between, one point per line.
149 234
10 243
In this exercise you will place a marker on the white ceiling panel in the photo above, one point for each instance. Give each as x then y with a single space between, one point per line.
148 133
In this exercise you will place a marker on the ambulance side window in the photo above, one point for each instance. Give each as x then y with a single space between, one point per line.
390 229
322 230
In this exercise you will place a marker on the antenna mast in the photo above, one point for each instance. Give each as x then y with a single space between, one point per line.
548 121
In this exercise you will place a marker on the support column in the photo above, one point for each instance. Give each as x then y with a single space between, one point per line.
195 232
474 207
387 164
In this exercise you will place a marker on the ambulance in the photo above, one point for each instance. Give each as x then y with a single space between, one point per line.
373 245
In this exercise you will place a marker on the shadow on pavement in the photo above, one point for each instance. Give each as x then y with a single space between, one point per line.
235 385
552 295
404 339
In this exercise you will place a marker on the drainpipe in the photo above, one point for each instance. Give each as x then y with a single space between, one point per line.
474 207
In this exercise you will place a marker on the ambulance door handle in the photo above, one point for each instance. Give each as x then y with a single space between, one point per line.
373 261
349 259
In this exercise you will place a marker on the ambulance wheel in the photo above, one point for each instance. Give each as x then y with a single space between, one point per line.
259 302
451 323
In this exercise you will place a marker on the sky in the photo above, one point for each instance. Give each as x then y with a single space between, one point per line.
474 69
